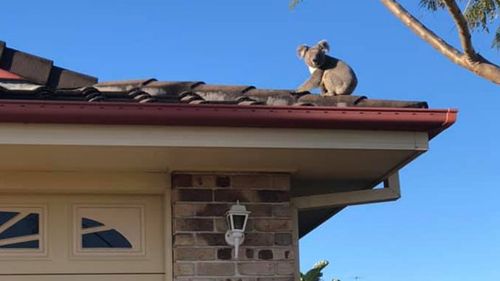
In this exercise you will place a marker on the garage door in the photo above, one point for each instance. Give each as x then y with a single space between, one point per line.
81 238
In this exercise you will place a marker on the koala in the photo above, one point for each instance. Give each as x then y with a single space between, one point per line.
331 75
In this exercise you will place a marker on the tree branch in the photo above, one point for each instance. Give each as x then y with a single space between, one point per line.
475 63
463 29
421 30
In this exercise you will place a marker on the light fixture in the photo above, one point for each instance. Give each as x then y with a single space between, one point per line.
236 219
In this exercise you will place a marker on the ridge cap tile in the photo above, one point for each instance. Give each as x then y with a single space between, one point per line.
41 70
2 47
61 78
31 67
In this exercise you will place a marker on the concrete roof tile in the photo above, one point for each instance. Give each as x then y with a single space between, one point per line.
38 79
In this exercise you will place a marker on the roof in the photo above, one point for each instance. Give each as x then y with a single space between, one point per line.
26 76
58 95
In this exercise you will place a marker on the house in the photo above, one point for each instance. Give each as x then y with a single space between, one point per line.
131 180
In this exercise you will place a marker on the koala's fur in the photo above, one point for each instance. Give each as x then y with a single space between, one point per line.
331 75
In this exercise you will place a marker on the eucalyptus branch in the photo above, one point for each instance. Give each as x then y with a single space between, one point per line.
463 29
421 30
470 60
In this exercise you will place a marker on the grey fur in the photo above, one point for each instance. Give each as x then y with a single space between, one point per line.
330 74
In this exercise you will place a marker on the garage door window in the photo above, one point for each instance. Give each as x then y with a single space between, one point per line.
20 229
99 238
109 229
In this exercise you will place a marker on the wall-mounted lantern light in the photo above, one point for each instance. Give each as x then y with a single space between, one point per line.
236 219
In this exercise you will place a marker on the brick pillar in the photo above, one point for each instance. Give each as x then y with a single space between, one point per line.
199 204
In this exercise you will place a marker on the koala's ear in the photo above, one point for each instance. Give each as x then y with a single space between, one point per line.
302 50
324 45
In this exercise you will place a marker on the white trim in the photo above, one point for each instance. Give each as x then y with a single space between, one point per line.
20 239
205 137
390 192
95 229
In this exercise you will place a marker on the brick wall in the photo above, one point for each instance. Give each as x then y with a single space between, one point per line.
199 203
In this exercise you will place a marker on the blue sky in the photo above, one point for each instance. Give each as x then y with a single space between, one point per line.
446 226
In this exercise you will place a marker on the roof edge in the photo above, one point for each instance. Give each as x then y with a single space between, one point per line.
432 121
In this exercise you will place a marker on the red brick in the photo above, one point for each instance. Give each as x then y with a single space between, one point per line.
282 211
194 225
215 269
221 225
237 279
272 225
235 195
184 209
283 254
283 239
265 254
223 181
259 239
276 279
212 210
249 253
193 278
225 253
285 268
200 210
260 210
256 268
211 239
183 269
194 254
249 227
193 195
273 196
254 181
184 239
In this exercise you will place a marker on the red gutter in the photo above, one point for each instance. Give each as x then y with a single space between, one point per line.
356 118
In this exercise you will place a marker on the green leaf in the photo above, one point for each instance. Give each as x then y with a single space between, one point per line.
481 13
315 273
432 5
496 40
